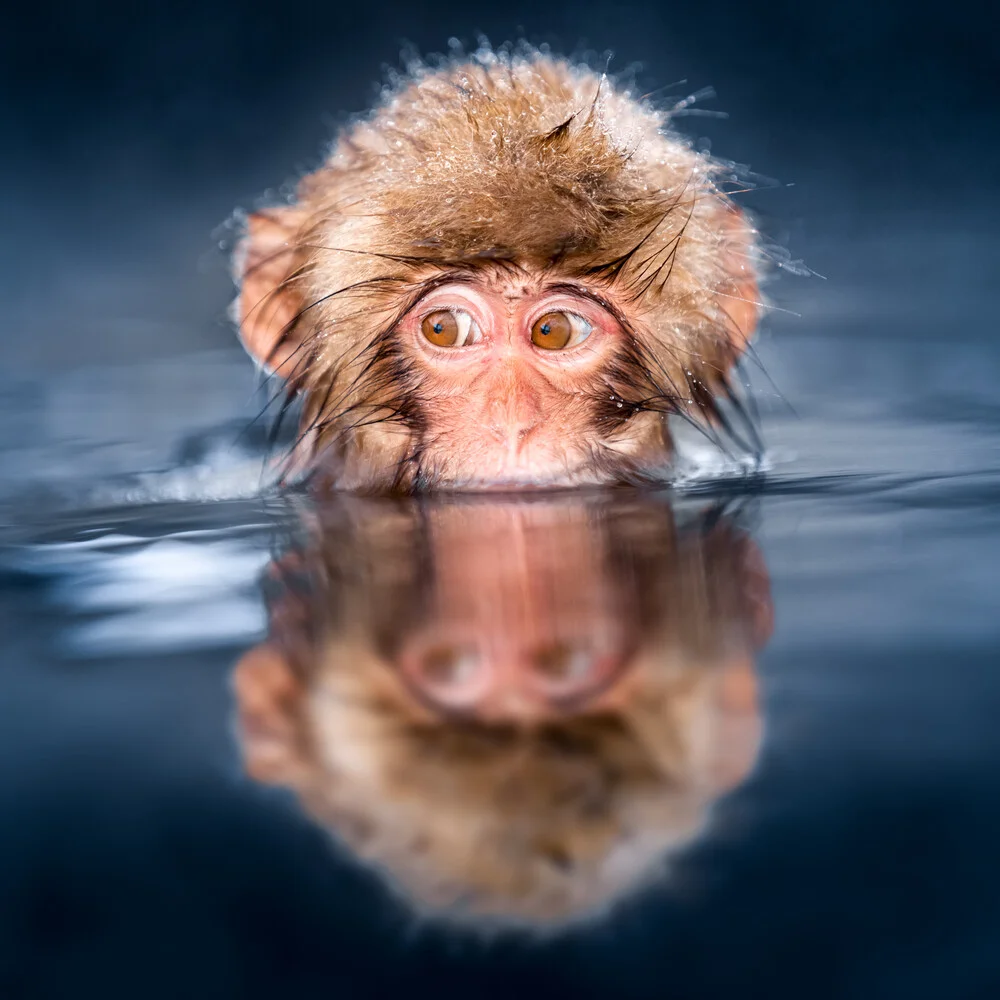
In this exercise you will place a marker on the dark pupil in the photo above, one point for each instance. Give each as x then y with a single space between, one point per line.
546 329
438 327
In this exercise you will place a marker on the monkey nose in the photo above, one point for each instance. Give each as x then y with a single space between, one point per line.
513 433
514 414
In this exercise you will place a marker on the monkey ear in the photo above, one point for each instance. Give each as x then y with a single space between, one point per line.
738 296
269 301
726 757
266 692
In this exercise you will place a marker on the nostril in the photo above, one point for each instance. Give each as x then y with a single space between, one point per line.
497 432
511 432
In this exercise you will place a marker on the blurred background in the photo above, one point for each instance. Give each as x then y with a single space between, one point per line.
131 133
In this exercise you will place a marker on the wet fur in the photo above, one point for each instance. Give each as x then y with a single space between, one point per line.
510 163
501 823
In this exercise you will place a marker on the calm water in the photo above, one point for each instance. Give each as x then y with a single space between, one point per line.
738 738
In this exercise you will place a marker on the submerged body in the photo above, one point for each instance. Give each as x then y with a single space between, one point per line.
510 275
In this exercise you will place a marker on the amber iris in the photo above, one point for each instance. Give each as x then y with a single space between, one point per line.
552 332
441 328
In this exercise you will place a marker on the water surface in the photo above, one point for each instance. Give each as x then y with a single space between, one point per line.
802 801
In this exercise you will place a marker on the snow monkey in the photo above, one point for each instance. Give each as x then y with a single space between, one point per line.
514 708
508 276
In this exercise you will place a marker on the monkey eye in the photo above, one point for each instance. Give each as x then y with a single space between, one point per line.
555 331
447 666
563 665
450 328
451 676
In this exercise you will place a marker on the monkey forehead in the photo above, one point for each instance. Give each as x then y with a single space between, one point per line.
533 158
514 292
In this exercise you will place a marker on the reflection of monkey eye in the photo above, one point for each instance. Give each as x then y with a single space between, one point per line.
562 664
556 331
450 666
450 328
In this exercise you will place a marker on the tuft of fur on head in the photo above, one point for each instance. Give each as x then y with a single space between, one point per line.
504 825
505 162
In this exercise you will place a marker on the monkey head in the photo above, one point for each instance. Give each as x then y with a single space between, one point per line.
509 276
515 710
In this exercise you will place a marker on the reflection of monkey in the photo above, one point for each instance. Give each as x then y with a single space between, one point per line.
514 709
509 275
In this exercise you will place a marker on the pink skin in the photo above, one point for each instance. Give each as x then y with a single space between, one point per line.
509 411
502 675
502 413
523 624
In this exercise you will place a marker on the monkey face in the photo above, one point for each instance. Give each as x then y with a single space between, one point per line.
511 377
509 277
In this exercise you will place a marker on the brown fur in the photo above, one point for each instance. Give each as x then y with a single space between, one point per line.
537 823
504 164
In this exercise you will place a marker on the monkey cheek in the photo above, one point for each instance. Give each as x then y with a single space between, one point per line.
561 446
464 446
483 460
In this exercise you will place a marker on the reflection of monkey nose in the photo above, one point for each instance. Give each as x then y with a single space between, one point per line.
508 699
